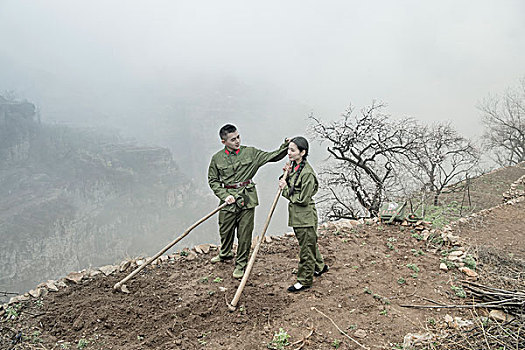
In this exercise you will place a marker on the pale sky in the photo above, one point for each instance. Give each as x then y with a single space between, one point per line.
431 60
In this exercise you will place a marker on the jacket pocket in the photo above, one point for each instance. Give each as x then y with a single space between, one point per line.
302 216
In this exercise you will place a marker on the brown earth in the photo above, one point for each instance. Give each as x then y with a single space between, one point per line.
179 304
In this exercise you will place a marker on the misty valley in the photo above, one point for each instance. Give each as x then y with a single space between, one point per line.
73 198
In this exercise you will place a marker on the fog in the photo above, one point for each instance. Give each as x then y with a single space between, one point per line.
170 73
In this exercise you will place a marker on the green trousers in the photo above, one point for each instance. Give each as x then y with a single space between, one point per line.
310 259
240 221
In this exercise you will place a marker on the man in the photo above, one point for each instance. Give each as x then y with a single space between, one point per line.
230 177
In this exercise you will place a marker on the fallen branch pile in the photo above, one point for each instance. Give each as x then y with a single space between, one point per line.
512 303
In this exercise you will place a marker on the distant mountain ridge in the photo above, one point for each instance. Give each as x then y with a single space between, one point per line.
71 198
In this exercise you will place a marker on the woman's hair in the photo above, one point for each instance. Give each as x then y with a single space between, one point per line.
302 145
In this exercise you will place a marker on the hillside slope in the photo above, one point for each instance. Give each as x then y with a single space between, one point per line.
181 303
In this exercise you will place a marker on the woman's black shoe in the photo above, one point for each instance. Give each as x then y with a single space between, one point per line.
319 273
293 289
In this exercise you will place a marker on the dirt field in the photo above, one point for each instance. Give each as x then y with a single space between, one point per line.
182 303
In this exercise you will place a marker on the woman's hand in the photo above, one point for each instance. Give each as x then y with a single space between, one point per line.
287 167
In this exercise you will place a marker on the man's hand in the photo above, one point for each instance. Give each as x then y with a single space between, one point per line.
230 199
282 183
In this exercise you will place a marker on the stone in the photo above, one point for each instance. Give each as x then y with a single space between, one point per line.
222 289
413 339
443 267
469 272
124 289
290 234
124 265
164 258
205 248
61 284
93 273
50 285
268 239
499 315
449 320
75 277
456 253
140 262
108 269
198 250
191 256
461 323
360 333
36 293
19 298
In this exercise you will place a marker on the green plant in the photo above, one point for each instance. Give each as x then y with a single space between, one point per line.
431 321
367 290
204 279
352 327
470 262
448 263
211 292
414 275
417 236
217 280
12 311
65 345
459 291
390 246
336 343
418 252
140 337
384 312
184 253
39 303
413 267
401 280
280 340
82 343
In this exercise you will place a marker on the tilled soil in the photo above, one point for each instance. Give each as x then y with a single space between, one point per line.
182 303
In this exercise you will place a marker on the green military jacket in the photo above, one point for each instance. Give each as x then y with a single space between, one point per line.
227 168
301 208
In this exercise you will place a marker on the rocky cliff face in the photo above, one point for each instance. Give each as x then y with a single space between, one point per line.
72 198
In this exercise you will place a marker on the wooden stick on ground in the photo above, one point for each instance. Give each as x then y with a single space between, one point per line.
120 285
339 329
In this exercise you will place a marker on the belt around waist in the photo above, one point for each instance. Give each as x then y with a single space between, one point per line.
239 184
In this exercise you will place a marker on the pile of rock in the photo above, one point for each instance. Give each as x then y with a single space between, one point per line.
516 190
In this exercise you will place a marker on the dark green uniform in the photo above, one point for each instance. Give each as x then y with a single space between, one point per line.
302 216
230 168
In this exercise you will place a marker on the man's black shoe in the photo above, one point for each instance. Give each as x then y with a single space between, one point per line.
319 273
294 289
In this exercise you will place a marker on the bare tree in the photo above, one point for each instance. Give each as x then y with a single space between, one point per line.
439 156
504 120
363 146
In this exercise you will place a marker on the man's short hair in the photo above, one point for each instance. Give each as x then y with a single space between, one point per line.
225 130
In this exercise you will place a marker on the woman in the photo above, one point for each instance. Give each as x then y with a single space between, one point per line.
299 187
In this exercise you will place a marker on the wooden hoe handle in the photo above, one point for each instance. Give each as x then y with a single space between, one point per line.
137 270
233 305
